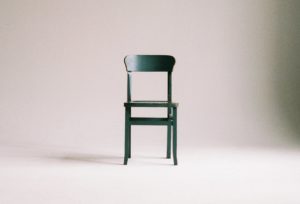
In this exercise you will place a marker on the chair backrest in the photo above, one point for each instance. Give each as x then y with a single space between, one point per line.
149 63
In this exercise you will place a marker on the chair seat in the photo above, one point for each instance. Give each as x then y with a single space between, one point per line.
150 104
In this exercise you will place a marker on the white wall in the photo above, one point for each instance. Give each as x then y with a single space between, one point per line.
62 77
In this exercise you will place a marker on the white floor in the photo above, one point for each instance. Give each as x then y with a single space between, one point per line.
204 175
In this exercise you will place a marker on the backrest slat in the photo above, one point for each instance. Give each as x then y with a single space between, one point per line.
149 63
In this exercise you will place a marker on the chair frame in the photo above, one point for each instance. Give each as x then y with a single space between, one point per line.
150 63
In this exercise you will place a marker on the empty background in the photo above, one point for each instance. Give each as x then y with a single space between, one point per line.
63 80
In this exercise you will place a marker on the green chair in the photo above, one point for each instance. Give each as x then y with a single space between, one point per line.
150 63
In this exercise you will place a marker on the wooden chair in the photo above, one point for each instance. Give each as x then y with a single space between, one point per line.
150 63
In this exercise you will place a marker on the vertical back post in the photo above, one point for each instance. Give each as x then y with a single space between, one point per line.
169 86
128 86
169 92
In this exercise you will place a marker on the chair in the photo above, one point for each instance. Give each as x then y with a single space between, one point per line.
150 63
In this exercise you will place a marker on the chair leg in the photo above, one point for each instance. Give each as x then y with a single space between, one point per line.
169 142
126 148
126 145
175 136
129 141
129 134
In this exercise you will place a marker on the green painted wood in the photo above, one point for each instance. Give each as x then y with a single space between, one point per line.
149 63
149 121
150 104
129 133
175 136
169 142
128 86
169 115
169 86
126 154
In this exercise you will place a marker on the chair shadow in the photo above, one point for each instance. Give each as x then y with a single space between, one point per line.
149 160
57 154
88 158
100 159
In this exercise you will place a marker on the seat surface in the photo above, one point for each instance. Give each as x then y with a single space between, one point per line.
150 104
